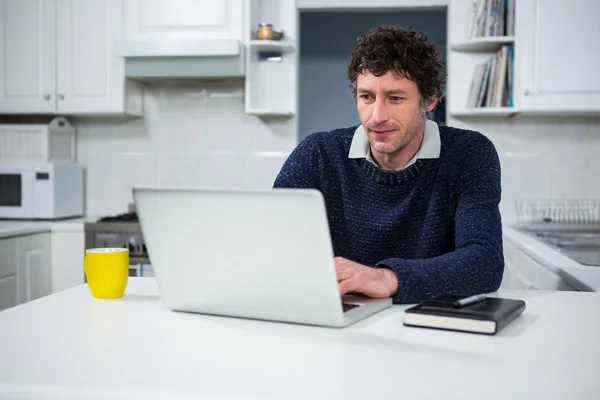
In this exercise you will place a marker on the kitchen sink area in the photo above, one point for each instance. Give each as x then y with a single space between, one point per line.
571 227
580 243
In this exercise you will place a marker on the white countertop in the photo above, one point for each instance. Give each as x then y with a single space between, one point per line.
10 228
579 276
70 345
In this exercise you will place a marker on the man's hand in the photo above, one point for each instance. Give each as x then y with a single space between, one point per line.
357 278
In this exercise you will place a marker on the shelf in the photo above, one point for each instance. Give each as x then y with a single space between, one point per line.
269 113
486 112
271 46
483 44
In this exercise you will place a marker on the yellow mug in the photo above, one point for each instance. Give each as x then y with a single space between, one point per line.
107 271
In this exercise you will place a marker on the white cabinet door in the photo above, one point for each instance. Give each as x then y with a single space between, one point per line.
523 272
57 57
183 19
27 56
33 274
8 292
556 53
8 271
67 252
90 76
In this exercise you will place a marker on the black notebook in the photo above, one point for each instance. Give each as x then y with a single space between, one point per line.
488 316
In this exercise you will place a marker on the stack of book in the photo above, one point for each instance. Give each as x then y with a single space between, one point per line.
492 83
492 18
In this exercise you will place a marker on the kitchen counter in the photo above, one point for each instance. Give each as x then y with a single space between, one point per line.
582 277
70 345
11 228
21 228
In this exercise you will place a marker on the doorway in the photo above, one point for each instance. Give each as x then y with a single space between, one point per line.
326 42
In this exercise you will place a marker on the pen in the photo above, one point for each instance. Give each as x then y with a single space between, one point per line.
470 300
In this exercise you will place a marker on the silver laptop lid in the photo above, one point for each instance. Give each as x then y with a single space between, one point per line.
262 254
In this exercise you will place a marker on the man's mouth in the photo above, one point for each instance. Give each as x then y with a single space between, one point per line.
383 132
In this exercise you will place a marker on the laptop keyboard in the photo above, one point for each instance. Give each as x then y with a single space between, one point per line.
349 306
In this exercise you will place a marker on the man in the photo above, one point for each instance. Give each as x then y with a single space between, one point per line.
412 207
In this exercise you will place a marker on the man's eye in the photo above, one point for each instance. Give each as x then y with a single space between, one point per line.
396 98
365 97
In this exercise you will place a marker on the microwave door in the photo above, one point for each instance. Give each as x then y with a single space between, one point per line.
16 193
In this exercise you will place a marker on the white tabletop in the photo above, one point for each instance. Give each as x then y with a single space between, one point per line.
70 345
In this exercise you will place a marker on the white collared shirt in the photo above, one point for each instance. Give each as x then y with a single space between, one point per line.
430 146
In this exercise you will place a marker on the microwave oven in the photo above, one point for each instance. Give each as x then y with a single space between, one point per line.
41 191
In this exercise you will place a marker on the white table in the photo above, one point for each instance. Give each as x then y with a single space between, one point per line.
70 345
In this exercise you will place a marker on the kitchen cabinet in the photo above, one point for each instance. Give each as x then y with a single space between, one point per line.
27 56
553 68
33 274
24 269
56 57
67 251
183 19
557 51
8 273
523 272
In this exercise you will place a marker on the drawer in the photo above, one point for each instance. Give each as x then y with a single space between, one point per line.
8 292
548 280
8 256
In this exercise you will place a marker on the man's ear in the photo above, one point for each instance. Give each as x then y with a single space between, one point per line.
431 103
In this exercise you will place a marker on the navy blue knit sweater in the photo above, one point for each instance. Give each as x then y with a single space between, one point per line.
436 223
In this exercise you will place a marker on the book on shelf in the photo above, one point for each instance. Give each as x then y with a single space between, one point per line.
492 18
492 82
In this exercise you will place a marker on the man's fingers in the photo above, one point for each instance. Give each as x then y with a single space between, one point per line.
348 285
344 273
343 269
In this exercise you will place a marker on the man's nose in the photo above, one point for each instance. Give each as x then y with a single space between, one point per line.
380 112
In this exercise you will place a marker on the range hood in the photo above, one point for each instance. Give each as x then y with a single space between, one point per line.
182 59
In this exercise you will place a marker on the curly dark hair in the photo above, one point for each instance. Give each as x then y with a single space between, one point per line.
405 52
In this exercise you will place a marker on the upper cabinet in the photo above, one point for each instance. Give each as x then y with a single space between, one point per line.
184 19
90 78
528 57
557 53
27 56
56 57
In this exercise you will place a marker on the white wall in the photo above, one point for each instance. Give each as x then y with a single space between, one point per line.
190 135
545 158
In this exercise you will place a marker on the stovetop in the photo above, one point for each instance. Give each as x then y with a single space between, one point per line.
125 217
121 230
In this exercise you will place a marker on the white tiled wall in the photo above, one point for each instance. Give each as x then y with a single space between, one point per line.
190 135
201 136
546 158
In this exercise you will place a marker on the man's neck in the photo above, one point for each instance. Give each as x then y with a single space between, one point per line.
397 160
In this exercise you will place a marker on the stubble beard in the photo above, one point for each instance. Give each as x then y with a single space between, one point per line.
405 136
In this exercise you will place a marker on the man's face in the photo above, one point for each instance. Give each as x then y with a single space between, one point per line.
389 110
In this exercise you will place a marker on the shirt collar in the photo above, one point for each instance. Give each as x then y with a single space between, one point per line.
430 146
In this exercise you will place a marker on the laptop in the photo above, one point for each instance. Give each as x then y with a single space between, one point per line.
257 254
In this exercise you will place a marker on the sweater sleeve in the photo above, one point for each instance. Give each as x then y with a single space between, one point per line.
300 170
477 263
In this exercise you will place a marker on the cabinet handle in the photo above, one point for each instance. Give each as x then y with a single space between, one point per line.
47 97
530 287
61 96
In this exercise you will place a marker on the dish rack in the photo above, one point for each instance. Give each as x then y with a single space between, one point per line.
52 141
558 212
